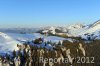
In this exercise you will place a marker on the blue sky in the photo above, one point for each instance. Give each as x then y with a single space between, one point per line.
36 13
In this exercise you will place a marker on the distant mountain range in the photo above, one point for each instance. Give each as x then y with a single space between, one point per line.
91 30
19 30
84 31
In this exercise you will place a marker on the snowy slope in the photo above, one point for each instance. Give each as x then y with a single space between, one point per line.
30 37
94 27
75 29
24 37
7 43
93 30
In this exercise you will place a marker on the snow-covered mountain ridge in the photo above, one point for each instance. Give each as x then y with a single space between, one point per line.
76 30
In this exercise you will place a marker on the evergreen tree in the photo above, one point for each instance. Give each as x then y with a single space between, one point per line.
14 53
59 43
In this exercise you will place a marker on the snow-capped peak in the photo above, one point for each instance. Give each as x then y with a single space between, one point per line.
75 29
76 26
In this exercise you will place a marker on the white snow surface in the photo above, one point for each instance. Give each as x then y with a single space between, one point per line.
9 41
